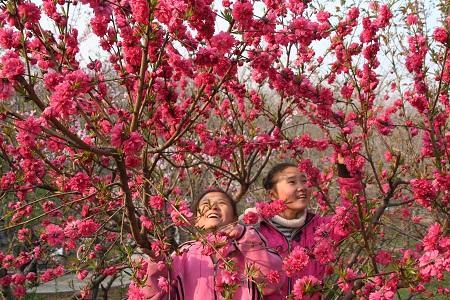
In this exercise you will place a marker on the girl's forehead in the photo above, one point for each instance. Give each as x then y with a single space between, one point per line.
291 172
213 196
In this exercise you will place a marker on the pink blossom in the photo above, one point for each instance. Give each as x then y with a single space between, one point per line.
54 235
19 291
135 293
18 278
382 294
223 41
297 260
71 229
181 214
216 242
51 274
412 19
268 210
117 134
9 38
23 234
163 284
156 202
66 95
29 12
133 144
79 182
250 218
384 16
324 251
243 13
6 90
140 10
82 274
31 276
7 180
424 192
87 227
273 277
347 91
146 223
305 286
383 257
210 148
12 66
110 271
226 277
440 35
323 16
101 19
431 239
353 13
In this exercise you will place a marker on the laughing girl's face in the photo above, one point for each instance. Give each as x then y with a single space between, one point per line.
214 211
291 187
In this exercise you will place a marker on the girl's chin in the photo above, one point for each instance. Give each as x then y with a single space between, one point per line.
298 208
212 227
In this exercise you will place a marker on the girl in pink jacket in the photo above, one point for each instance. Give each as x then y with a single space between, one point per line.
295 227
232 262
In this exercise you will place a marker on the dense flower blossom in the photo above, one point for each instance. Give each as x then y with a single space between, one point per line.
135 292
225 92
140 10
146 223
296 261
383 257
82 274
424 192
243 13
440 35
180 213
268 210
54 235
273 277
6 90
87 227
12 65
163 284
250 217
156 202
9 38
411 19
68 93
305 286
30 12
222 42
216 244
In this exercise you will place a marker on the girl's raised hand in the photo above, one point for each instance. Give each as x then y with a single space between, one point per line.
232 230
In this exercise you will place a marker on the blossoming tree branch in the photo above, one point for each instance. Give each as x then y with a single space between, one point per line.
101 158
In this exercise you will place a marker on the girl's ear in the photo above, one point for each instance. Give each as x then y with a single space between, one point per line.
273 195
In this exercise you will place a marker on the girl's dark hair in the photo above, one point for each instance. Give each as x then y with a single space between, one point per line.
269 180
196 202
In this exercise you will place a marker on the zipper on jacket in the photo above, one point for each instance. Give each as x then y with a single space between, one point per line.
289 244
214 278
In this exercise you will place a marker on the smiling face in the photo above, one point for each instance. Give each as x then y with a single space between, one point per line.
291 186
214 211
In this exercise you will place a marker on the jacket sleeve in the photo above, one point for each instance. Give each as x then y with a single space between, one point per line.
347 183
255 251
152 290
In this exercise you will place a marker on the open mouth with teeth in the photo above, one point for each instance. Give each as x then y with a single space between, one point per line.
213 216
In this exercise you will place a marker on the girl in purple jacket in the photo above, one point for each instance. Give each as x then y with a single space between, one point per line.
295 226
231 262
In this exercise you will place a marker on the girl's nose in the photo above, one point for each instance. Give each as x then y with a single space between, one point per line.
301 187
